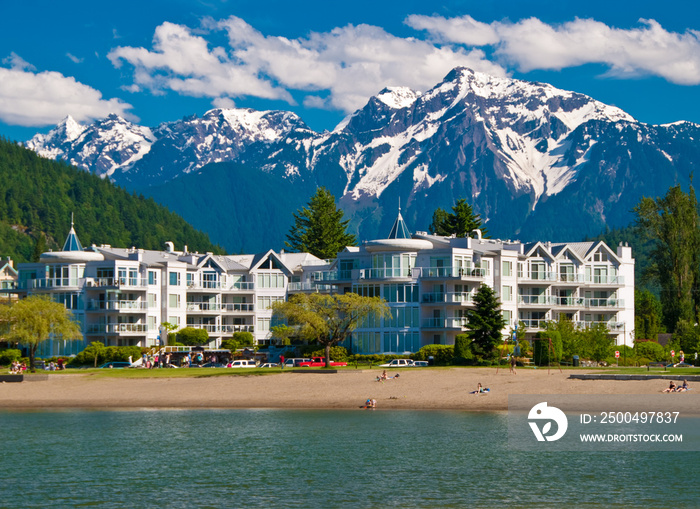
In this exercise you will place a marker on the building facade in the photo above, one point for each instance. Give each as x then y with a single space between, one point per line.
429 282
123 296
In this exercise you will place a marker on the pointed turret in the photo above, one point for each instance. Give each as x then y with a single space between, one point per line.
72 242
399 230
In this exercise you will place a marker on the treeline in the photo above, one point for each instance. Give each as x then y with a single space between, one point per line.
39 195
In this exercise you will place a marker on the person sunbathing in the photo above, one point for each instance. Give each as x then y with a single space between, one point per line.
684 387
671 387
480 389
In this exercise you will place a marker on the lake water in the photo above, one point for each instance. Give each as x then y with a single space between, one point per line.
282 458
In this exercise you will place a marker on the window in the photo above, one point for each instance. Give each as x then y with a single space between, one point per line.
174 300
507 316
507 294
401 293
174 320
267 280
174 279
263 324
486 266
151 300
403 317
265 302
152 325
507 269
366 290
152 277
190 280
600 256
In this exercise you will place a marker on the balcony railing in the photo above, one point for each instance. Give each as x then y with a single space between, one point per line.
397 273
537 276
118 328
452 272
117 305
223 329
241 286
307 287
43 284
445 323
531 323
448 297
611 325
204 285
335 275
536 300
226 307
129 282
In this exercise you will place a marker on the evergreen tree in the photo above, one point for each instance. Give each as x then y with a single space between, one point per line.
485 322
461 222
672 222
39 247
647 315
319 229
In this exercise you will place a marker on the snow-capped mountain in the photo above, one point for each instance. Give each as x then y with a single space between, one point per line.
532 159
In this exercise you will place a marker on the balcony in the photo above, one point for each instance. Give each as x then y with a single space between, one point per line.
445 323
447 298
397 273
604 303
240 286
536 300
222 329
118 328
537 277
611 325
117 305
534 324
120 282
49 283
591 279
336 275
452 272
204 285
308 287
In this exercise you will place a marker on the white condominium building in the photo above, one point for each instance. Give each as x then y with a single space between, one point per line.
122 296
429 282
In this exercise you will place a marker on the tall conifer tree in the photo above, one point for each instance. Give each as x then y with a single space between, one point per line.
672 222
461 222
319 228
485 322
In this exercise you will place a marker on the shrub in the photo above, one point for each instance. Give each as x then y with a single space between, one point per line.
651 350
192 336
541 352
462 350
442 354
338 353
9 356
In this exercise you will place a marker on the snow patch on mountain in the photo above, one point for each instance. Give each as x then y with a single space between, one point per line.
398 97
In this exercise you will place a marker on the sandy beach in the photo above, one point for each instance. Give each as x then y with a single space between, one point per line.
415 389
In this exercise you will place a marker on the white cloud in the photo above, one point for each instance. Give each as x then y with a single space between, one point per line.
38 99
532 44
74 59
18 63
350 63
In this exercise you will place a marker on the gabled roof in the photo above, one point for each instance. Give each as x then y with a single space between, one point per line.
9 267
261 257
597 246
559 251
532 247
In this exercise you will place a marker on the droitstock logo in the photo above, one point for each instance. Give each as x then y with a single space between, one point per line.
542 412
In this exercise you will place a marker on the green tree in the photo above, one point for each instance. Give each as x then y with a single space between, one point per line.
329 319
282 334
192 336
169 327
94 351
241 339
39 247
598 341
687 336
319 228
463 350
571 337
647 315
485 322
673 224
547 347
461 222
33 320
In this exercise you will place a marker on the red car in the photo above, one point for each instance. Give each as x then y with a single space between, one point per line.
319 362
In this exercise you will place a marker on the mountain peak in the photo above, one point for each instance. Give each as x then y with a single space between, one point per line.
398 97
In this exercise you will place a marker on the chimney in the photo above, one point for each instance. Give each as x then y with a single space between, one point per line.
169 247
10 262
477 233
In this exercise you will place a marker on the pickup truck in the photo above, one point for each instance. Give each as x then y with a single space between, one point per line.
319 362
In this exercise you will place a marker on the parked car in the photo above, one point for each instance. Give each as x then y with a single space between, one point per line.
398 363
240 363
269 365
295 362
319 362
420 364
116 364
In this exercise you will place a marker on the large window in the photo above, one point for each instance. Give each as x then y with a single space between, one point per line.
403 317
366 290
267 280
401 293
400 342
366 342
507 294
265 302
507 269
151 300
152 277
174 278
263 324
174 300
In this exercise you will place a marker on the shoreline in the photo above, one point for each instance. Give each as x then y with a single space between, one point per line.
444 389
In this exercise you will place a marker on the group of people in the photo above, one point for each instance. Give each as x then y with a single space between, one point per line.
370 403
384 376
16 368
677 388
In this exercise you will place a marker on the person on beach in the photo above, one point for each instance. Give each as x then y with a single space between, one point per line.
512 364
671 387
684 387
480 389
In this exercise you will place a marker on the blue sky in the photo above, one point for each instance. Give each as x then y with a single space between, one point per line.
154 61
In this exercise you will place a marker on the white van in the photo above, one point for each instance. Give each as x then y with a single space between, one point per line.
242 364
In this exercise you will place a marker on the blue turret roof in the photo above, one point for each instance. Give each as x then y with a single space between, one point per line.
72 243
399 230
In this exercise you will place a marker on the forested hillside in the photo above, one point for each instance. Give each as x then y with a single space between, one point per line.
39 195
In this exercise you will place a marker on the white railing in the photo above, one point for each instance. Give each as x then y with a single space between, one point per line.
394 273
129 282
536 300
445 323
117 305
448 297
537 276
611 325
117 328
204 285
531 323
58 282
222 329
240 286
